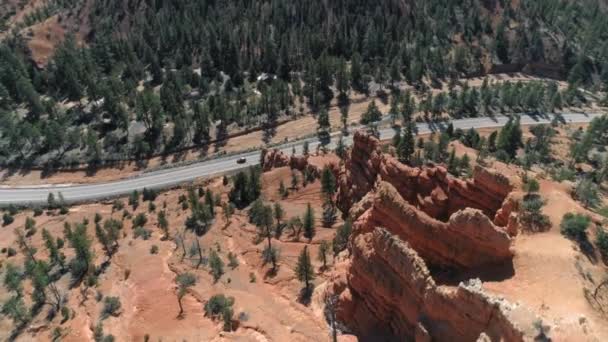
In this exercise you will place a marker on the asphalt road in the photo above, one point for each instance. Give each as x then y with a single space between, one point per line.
24 195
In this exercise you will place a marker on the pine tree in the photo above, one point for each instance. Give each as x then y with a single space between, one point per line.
356 72
328 182
304 269
406 146
372 114
323 249
308 222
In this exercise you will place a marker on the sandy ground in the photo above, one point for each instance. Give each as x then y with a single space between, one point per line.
551 274
145 282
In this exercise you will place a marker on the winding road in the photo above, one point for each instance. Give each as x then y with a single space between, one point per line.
37 195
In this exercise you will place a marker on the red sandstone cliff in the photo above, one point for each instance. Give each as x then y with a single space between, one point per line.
468 239
390 294
406 219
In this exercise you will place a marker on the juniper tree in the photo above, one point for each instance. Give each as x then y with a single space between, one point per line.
184 282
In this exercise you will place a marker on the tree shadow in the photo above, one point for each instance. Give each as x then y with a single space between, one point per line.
588 250
271 272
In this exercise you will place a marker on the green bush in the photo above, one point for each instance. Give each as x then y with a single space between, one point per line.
217 266
111 306
141 232
574 226
232 260
221 306
563 173
140 220
7 219
602 242
154 249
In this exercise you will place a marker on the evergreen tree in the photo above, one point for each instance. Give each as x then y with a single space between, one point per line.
372 114
328 182
406 146
304 269
323 250
308 222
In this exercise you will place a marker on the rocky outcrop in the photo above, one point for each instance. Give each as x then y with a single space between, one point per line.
391 295
467 240
408 220
429 188
275 158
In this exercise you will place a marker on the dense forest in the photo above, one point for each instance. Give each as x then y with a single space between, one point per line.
188 71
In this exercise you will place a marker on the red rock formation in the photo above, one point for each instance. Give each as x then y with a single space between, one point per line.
467 240
429 188
406 218
271 159
275 158
390 294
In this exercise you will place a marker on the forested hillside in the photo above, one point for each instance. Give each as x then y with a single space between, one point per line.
140 77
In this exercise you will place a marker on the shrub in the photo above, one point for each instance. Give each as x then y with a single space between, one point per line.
232 260
563 173
65 314
149 194
7 219
118 205
37 211
154 249
217 266
220 306
140 220
574 226
531 215
587 193
11 252
531 186
141 232
111 306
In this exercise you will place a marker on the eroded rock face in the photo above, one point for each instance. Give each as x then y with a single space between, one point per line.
468 239
429 188
275 158
391 295
407 219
